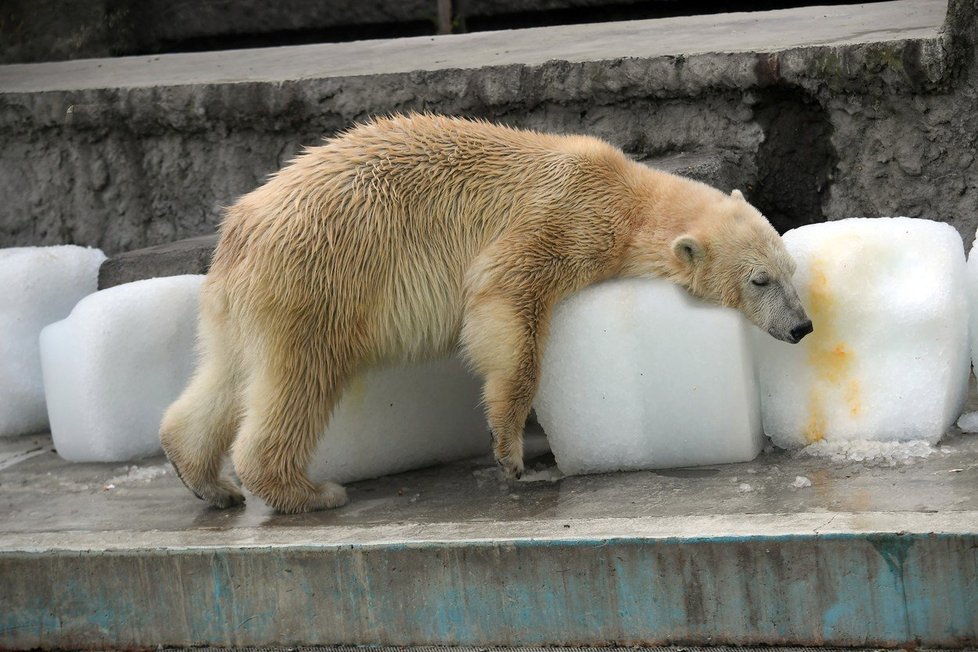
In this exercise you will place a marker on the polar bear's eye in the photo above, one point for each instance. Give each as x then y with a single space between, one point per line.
761 280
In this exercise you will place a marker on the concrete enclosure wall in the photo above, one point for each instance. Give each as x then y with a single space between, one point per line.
825 129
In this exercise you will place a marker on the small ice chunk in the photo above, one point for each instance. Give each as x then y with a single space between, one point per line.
639 375
140 474
889 357
547 474
801 482
38 286
880 453
968 422
114 365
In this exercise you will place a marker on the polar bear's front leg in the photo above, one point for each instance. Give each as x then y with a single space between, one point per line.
502 339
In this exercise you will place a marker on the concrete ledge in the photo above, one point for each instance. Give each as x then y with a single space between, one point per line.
99 556
692 36
49 30
549 584
893 46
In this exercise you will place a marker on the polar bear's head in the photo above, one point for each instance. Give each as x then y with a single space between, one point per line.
731 255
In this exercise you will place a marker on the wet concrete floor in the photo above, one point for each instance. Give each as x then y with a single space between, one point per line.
41 494
122 556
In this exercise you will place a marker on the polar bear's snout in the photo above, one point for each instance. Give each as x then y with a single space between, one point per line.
775 308
801 330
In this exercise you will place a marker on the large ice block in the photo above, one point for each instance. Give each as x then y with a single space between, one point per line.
637 374
124 354
114 365
398 418
38 285
889 357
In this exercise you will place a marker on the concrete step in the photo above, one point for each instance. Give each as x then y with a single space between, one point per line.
102 556
691 36
47 30
137 151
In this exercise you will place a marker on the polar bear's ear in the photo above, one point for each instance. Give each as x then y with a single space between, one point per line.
736 194
688 249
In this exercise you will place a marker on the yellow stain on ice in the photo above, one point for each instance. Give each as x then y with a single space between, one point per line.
815 428
829 356
853 399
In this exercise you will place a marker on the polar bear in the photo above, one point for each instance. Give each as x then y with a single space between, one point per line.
409 236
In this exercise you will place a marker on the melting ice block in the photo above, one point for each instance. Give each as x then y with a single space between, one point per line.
124 354
114 365
393 419
639 375
889 357
38 285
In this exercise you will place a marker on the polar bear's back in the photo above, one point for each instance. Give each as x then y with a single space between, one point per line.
394 212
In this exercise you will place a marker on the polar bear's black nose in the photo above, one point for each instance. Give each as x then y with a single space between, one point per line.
801 330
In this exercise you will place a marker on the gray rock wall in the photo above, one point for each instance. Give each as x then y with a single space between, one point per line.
912 153
121 179
810 134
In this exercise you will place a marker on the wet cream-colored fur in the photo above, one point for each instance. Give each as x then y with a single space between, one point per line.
406 237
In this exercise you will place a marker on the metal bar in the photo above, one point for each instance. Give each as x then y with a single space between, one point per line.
445 15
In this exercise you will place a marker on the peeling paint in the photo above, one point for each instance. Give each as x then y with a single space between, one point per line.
875 590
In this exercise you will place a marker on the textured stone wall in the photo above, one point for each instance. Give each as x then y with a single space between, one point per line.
911 153
809 134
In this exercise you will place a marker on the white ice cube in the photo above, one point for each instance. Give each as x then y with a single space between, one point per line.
972 282
639 375
398 418
889 356
968 422
38 285
124 354
114 365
